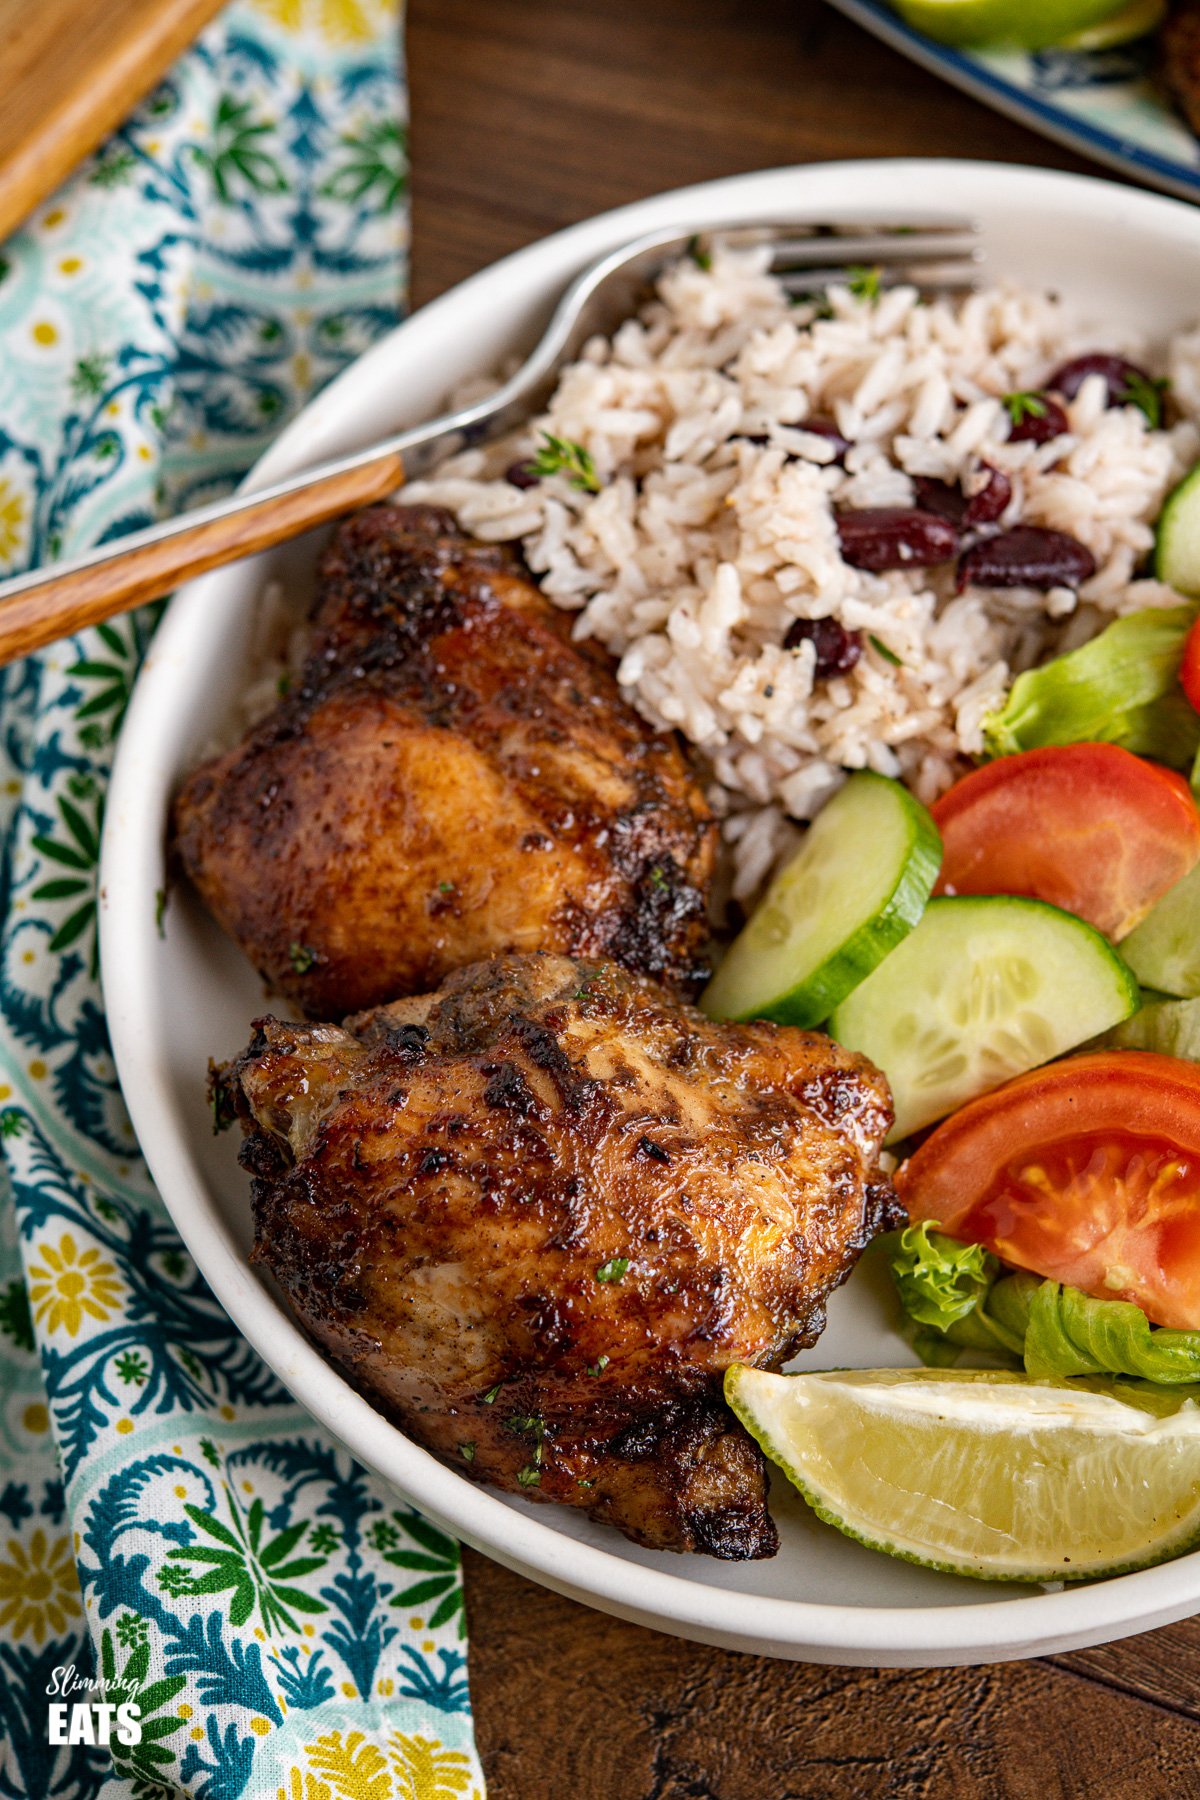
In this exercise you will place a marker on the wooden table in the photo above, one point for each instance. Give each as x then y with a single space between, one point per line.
527 116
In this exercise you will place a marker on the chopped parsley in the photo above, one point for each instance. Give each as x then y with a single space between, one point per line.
615 1269
160 910
658 877
529 1476
530 1425
562 456
1146 395
888 656
491 1393
864 283
467 1452
1020 406
599 1366
699 255
302 957
445 887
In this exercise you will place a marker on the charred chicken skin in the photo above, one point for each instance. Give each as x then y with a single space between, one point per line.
540 1211
451 777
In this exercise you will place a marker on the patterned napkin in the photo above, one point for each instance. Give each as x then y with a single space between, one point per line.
169 1520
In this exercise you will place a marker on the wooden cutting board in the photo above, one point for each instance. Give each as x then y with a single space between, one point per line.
71 70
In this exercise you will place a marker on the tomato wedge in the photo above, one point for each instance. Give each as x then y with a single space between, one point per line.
1088 827
1087 1171
1189 667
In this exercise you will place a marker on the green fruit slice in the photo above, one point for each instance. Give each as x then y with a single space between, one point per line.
1171 1027
1138 19
982 1473
856 886
1027 24
1164 950
984 989
1177 550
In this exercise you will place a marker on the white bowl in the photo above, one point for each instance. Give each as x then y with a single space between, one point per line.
176 1000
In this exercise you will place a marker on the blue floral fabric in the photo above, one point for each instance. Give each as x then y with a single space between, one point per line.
172 1527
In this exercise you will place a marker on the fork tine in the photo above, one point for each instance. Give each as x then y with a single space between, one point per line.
874 250
959 275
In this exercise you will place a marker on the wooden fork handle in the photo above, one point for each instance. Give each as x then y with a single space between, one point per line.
114 579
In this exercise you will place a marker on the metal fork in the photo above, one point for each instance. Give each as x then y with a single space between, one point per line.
937 255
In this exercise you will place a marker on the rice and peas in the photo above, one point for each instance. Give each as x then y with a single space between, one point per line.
713 528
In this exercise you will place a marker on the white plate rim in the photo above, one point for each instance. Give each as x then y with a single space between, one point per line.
131 874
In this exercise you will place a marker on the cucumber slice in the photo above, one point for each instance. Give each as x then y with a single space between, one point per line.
1172 1027
856 886
1164 950
1177 552
984 989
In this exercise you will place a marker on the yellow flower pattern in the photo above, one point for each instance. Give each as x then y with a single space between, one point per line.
12 522
71 1285
338 21
415 1768
39 1587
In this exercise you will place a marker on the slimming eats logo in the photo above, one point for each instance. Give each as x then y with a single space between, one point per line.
91 1720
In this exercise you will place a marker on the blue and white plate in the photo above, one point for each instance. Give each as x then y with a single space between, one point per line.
1103 103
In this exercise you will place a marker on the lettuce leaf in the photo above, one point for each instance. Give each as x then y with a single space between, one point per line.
1122 687
959 1297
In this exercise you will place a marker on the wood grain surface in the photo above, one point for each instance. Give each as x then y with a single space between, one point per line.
526 117
70 70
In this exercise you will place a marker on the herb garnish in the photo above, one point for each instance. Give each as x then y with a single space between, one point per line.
528 1476
562 456
445 887
302 958
1146 395
615 1269
658 877
864 283
700 256
491 1393
887 655
160 910
599 1366
1020 406
467 1452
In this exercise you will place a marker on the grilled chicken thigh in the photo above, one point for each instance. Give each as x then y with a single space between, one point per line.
538 1212
451 777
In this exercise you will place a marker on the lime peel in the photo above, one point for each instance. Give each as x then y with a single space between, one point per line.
1025 24
986 1473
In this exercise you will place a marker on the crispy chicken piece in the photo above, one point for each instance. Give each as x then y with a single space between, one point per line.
1179 48
451 777
539 1212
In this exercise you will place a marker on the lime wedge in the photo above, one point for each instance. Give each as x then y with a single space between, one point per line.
1028 24
1136 20
983 1473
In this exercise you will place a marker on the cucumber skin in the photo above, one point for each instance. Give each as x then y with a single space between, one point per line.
814 1000
1183 572
1123 977
811 1002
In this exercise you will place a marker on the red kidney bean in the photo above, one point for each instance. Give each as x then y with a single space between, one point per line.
940 497
836 648
1026 556
895 537
1119 374
521 475
986 506
1039 427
